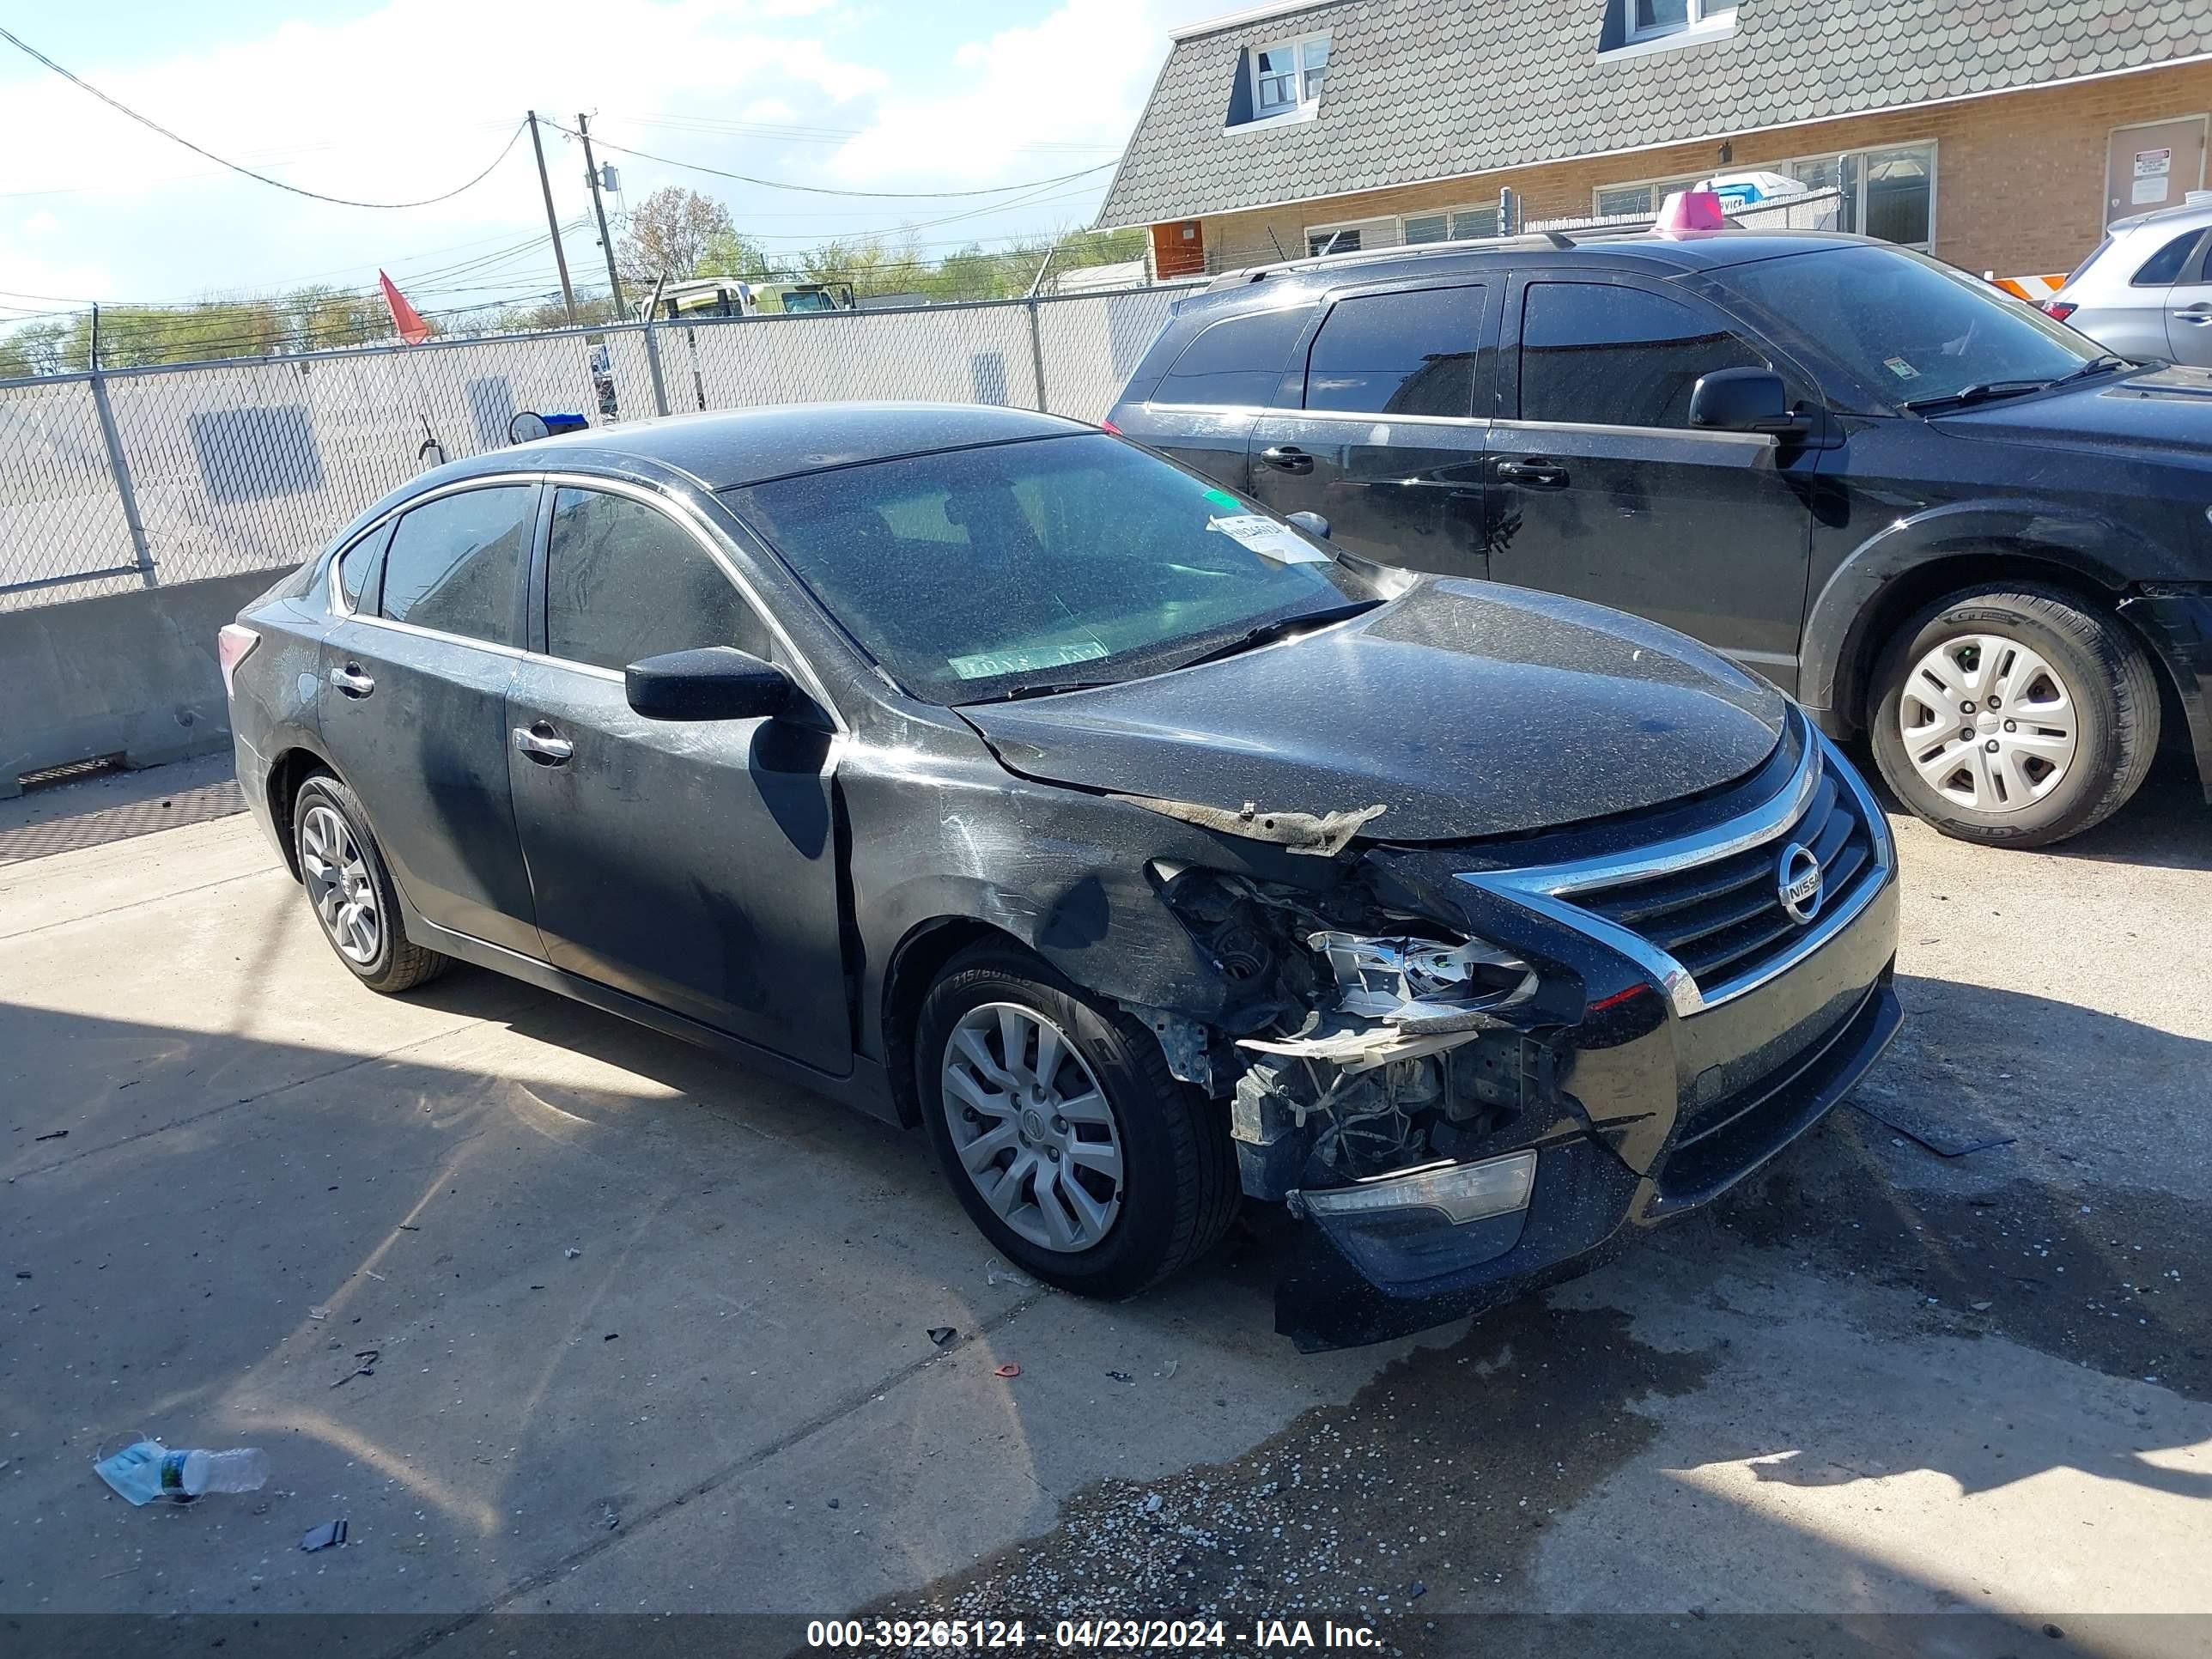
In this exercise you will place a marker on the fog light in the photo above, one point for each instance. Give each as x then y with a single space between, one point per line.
1460 1192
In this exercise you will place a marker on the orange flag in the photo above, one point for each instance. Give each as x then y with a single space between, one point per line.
405 317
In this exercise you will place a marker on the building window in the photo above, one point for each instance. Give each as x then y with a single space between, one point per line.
1649 19
1888 193
1287 75
1334 241
1452 224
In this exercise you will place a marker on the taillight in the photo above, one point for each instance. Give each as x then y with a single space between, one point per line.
2061 309
233 644
1109 426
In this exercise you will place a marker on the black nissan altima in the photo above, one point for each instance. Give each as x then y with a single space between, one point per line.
994 775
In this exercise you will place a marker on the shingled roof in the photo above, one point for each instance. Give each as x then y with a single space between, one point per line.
1420 89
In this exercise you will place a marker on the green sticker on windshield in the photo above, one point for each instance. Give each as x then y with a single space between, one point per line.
1223 498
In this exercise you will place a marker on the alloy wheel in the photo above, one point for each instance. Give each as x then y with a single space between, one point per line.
1031 1127
339 884
1987 723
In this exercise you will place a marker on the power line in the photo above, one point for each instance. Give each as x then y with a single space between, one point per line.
824 190
32 52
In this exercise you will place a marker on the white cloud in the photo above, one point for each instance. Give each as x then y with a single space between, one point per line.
1078 76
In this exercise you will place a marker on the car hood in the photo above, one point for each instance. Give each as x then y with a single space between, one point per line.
2168 410
1464 709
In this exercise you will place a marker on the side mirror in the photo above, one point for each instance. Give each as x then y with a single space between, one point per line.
714 683
1745 400
1312 522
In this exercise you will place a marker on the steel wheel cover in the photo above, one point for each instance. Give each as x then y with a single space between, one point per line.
339 885
1987 723
1031 1127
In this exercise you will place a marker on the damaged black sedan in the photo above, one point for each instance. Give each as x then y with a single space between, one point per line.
988 773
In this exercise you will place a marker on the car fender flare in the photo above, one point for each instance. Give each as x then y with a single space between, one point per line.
2062 541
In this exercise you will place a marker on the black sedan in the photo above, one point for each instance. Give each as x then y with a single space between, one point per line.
991 774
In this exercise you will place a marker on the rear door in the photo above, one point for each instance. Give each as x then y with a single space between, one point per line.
691 863
2187 309
1380 435
1602 490
413 702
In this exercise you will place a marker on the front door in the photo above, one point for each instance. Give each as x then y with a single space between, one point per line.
1602 490
692 863
1386 446
2147 169
413 705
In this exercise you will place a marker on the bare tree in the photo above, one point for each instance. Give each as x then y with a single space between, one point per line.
668 233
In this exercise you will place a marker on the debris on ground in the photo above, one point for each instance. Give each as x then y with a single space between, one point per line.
1929 1132
572 1253
941 1334
59 1134
610 1336
1007 1369
996 1272
364 1365
1122 1377
833 1503
146 1469
319 1313
1152 1503
322 1537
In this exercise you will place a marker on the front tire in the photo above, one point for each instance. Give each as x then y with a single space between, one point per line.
350 890
2014 717
1067 1140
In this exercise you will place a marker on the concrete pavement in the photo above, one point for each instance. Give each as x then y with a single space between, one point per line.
1879 1381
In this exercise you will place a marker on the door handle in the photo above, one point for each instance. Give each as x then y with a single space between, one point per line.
2198 315
543 744
351 681
1535 472
1287 458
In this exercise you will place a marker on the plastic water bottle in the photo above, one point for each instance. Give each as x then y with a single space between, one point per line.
222 1471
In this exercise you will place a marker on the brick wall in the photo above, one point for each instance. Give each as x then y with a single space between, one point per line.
2019 177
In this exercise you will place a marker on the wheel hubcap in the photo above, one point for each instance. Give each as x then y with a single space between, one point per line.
1031 1127
1987 723
339 884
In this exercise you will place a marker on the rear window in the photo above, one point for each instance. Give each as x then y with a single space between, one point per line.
1236 362
453 562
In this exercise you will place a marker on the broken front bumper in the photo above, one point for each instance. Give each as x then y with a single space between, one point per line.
1669 1094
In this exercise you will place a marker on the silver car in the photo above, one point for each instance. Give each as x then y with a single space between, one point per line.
2145 292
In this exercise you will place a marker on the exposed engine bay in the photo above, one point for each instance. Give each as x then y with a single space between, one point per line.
1360 1041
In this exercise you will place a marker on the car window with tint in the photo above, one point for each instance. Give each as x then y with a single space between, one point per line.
624 581
357 564
1907 326
2163 268
453 562
1238 361
1410 353
1596 354
973 573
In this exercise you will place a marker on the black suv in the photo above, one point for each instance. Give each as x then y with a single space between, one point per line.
1935 515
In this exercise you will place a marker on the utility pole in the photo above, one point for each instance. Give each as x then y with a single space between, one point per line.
599 207
552 224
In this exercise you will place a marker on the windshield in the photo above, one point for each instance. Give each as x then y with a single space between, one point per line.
1910 327
980 573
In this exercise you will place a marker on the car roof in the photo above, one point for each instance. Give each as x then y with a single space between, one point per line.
751 446
2181 217
1668 253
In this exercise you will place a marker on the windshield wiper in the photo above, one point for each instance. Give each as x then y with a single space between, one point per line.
1980 392
1268 633
1038 688
2098 364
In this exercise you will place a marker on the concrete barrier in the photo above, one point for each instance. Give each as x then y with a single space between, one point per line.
128 674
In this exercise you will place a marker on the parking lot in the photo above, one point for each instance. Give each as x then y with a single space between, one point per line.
559 1315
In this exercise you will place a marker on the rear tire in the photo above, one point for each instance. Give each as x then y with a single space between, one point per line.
2014 717
1177 1189
350 890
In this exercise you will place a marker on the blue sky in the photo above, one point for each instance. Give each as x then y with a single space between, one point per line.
391 100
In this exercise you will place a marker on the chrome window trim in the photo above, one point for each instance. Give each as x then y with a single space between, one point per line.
1701 433
339 608
1361 417
1548 889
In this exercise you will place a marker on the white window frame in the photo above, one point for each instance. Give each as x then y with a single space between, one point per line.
1392 226
1700 16
1297 46
1660 188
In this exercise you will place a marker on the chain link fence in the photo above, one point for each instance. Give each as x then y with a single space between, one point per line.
140 478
